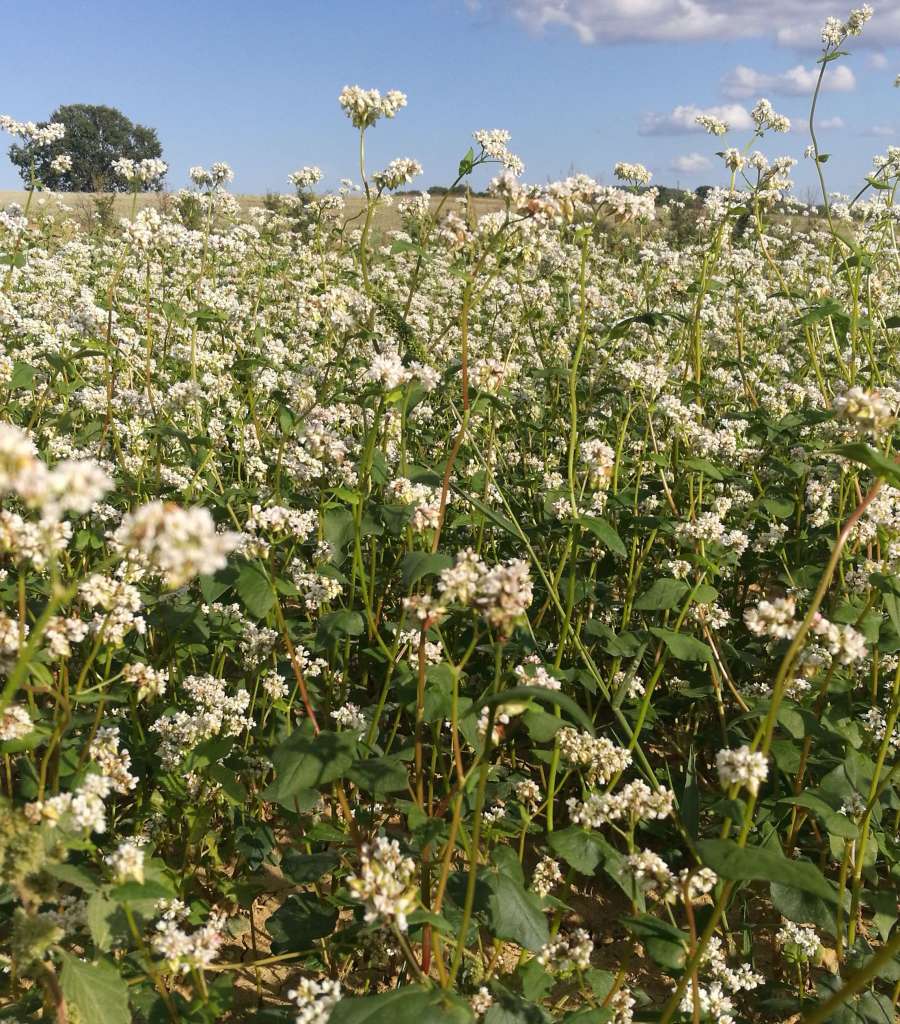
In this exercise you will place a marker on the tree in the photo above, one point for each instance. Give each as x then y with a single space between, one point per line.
95 137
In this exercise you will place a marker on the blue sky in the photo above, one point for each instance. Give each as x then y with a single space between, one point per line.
579 83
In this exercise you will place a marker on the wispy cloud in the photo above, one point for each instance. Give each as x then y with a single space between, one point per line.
682 120
690 163
794 23
831 122
742 81
881 131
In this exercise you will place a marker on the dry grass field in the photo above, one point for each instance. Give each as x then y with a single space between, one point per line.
81 205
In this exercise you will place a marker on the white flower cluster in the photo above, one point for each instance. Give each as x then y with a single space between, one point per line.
652 873
835 31
140 172
482 1001
62 163
305 177
720 984
348 716
426 502
635 801
38 135
533 673
179 543
397 173
388 370
61 632
634 174
546 875
366 106
114 762
70 486
602 758
711 125
765 117
773 618
504 594
15 723
385 883
599 459
567 953
742 767
799 941
119 602
79 811
127 862
315 588
183 951
867 411
215 713
314 1000
494 145
842 642
149 682
214 178
298 524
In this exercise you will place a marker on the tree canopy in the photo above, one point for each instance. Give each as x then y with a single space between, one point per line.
95 136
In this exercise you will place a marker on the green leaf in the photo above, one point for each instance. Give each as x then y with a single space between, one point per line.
757 863
255 590
340 623
597 1015
802 907
96 990
22 377
380 775
149 890
305 762
868 456
515 914
299 921
417 564
705 467
664 942
605 533
684 648
100 913
411 1004
303 868
577 847
521 694
664 594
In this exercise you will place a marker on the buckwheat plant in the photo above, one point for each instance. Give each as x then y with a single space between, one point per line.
454 608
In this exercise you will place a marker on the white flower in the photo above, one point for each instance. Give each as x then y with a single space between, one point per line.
742 767
365 106
315 1000
179 543
15 723
385 883
127 862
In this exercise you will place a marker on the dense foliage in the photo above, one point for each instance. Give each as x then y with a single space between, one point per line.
495 618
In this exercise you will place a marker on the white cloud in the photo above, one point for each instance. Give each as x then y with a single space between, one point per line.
682 120
797 81
791 22
831 122
690 163
878 61
881 131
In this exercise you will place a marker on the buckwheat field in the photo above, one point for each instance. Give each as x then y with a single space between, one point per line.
473 616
